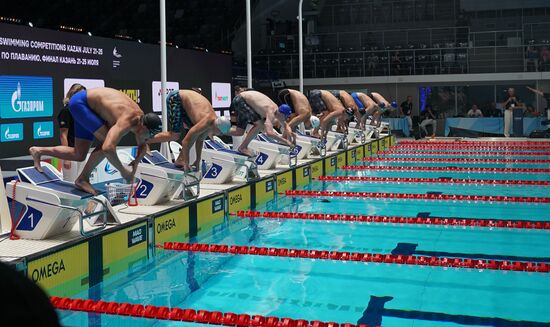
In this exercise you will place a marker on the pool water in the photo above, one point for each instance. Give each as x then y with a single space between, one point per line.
390 295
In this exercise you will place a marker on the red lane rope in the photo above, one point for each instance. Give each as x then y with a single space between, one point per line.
360 257
541 144
468 160
467 147
409 196
464 153
489 223
187 315
431 180
462 169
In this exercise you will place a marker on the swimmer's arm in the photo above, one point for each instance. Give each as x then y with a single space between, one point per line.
535 91
113 137
198 131
297 120
64 136
164 137
268 129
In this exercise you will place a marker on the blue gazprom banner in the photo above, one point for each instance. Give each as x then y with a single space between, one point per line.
42 130
11 132
26 97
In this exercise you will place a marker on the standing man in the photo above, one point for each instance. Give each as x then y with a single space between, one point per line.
253 107
107 115
66 132
511 102
406 111
191 119
327 107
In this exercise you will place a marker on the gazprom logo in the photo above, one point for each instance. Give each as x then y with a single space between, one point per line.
11 132
26 97
222 97
42 130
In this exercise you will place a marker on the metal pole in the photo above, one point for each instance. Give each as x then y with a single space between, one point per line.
164 146
248 45
301 47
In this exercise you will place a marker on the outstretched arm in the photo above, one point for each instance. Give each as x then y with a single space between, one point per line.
535 91
268 128
195 133
164 137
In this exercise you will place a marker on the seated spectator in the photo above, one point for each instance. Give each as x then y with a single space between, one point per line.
492 111
544 59
531 56
530 112
429 118
474 112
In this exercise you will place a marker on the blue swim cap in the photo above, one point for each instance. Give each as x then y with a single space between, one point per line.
382 105
285 109
394 104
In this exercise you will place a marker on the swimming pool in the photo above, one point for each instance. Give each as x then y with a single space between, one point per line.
386 294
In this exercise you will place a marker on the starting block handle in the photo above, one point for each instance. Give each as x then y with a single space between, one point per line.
292 159
253 168
83 216
345 142
323 147
189 185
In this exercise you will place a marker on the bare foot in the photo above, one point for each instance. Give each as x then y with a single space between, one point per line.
247 152
36 158
85 186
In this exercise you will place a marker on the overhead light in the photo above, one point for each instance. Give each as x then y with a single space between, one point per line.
126 37
139 41
177 46
30 24
90 33
10 20
70 28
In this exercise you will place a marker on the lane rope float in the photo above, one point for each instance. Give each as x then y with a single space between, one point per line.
441 221
461 169
421 196
464 153
365 257
459 160
187 315
506 182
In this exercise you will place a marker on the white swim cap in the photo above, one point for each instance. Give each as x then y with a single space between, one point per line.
315 122
223 124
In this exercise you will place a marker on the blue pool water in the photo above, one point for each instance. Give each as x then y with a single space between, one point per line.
376 294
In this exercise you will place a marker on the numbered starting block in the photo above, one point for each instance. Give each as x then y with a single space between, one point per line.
168 182
309 145
358 135
221 164
382 129
47 206
336 141
270 152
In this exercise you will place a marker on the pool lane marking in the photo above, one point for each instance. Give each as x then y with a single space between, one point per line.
457 160
375 312
410 249
442 180
495 143
365 257
452 168
431 196
423 218
187 315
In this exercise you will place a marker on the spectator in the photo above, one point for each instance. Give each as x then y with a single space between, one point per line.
545 95
474 112
530 112
396 63
372 61
531 56
406 110
492 110
430 118
544 60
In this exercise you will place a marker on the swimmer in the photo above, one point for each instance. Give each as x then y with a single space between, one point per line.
327 108
367 107
351 110
301 110
253 107
191 117
107 115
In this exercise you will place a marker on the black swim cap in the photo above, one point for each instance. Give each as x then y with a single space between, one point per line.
153 123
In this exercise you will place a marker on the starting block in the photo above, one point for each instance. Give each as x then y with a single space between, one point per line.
221 164
46 206
178 185
336 141
270 152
